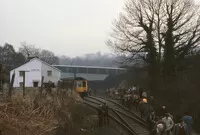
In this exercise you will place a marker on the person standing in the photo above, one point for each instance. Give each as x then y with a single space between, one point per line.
162 111
105 114
169 123
89 92
189 121
100 116
180 128
129 102
144 109
136 100
151 120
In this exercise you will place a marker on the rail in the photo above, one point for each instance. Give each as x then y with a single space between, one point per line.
132 115
112 117
128 118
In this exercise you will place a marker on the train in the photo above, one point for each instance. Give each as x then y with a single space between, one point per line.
78 84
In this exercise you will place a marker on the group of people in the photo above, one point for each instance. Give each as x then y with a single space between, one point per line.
164 125
112 93
160 122
103 114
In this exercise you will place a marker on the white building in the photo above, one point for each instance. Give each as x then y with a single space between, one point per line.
34 70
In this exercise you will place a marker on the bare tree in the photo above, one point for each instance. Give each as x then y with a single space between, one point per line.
134 34
29 50
182 33
48 57
156 30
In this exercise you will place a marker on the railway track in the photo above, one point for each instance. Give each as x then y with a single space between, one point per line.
126 130
127 119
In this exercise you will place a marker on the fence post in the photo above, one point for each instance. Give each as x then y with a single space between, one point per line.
42 82
24 83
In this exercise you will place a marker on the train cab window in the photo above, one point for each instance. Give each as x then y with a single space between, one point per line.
84 83
79 84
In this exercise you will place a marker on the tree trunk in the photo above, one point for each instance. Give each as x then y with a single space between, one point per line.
153 68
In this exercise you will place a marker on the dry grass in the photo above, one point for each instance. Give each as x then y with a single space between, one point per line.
36 114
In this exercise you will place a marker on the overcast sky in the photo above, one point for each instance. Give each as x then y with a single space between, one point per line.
69 27
66 27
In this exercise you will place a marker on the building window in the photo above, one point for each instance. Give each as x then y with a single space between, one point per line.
69 70
102 71
112 71
49 73
82 70
92 70
21 73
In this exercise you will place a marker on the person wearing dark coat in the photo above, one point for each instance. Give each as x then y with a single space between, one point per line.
181 128
162 111
100 116
105 113
145 110
151 120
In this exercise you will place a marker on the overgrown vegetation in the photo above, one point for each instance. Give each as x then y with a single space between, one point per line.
38 114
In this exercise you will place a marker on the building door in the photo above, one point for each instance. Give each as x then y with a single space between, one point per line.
21 85
35 84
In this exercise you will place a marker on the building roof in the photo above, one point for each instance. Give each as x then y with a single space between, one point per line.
88 67
40 61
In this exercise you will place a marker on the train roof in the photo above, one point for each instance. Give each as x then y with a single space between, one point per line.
71 79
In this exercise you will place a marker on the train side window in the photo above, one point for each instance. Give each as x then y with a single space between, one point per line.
84 83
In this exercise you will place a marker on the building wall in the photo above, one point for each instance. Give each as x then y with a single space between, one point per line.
36 69
55 74
33 74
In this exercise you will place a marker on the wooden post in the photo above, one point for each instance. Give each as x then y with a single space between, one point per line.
11 85
1 78
42 82
1 86
23 83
